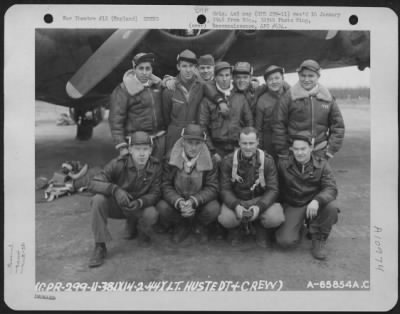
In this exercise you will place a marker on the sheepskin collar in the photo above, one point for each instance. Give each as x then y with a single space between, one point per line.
321 92
133 85
203 163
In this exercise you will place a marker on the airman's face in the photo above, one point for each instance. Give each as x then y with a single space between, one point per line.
275 81
144 71
248 144
301 151
140 153
242 81
192 147
186 69
224 78
308 79
206 72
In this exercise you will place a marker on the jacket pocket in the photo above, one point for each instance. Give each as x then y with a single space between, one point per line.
215 119
178 108
299 111
268 114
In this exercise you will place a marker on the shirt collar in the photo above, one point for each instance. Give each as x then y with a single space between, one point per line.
227 92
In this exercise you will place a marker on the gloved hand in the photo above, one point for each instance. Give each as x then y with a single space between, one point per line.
122 197
224 109
217 157
247 214
255 210
240 210
123 151
132 207
186 208
169 82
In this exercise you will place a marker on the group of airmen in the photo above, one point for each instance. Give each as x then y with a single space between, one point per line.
210 151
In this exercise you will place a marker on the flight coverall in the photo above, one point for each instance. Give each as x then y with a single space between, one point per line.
249 191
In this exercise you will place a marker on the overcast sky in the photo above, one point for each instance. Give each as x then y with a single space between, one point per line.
341 77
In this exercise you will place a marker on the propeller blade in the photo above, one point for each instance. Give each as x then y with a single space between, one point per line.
104 60
331 34
322 35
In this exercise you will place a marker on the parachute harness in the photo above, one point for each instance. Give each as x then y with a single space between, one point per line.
260 180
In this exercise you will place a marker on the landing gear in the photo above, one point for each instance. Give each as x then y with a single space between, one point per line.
86 120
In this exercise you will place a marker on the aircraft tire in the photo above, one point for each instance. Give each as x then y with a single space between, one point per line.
84 131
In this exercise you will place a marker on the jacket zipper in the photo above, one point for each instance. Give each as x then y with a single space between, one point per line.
312 122
154 112
228 102
182 90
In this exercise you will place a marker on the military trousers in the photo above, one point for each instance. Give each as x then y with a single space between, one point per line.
271 218
289 233
204 215
105 207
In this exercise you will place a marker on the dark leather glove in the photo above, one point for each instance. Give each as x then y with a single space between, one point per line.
131 208
123 151
134 205
224 109
122 197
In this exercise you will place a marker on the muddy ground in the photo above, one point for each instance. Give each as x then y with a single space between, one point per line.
64 241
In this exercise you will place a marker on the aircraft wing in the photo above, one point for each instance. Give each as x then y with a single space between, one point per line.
81 67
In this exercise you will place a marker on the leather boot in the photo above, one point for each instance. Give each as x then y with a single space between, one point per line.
220 231
262 236
234 236
202 232
130 231
181 231
98 255
318 250
144 240
161 228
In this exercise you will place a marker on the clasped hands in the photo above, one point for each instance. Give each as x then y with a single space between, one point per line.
125 201
247 214
186 208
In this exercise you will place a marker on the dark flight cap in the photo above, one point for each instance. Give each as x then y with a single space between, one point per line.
302 136
144 57
193 132
206 60
311 65
273 69
187 55
140 138
221 65
242 68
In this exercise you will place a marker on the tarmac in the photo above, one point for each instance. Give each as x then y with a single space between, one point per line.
64 241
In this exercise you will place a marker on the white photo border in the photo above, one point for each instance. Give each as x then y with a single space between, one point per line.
20 24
